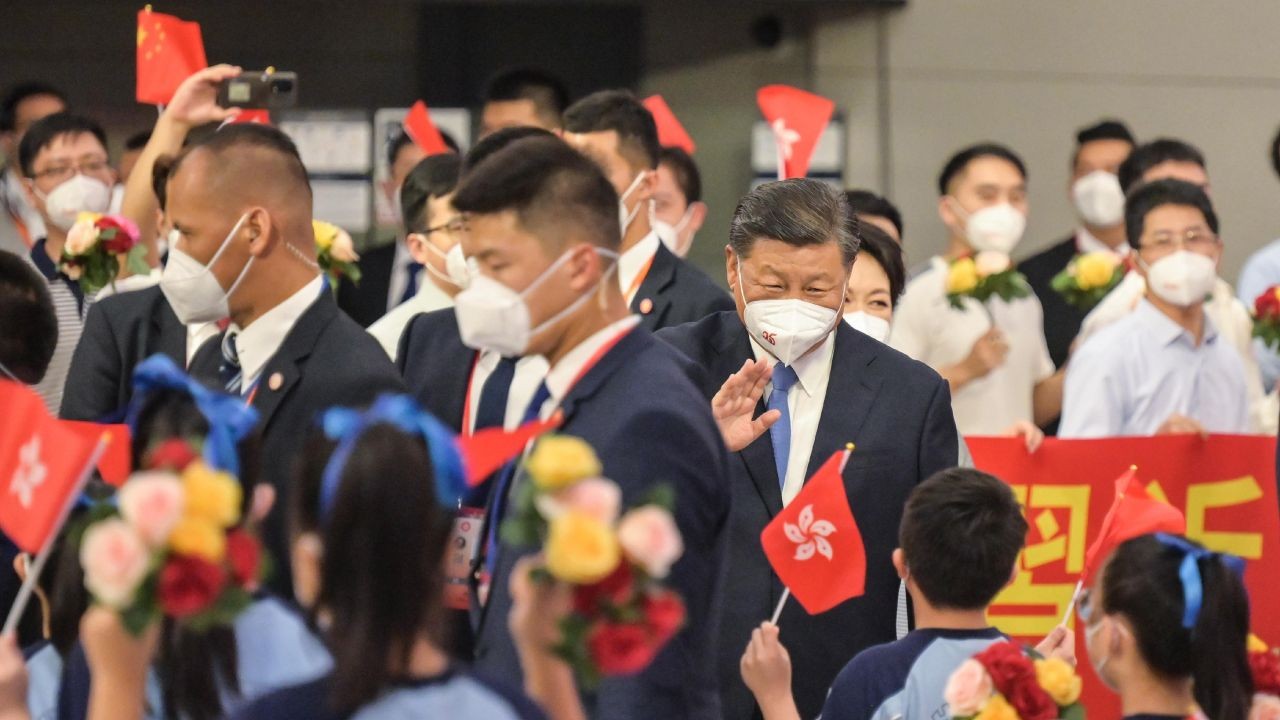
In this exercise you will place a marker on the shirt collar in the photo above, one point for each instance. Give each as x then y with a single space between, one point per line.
811 369
1087 242
256 344
560 379
632 262
1165 331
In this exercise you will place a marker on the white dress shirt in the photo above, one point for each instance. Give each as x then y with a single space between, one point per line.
1133 375
256 344
388 328
560 379
804 405
530 370
197 335
634 261
400 275
927 328
1087 242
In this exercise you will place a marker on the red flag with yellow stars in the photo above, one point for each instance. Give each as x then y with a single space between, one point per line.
169 51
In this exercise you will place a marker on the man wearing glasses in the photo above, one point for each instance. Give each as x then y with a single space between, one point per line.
1162 368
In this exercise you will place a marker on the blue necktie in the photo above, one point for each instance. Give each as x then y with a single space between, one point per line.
783 378
229 370
498 504
492 409
411 288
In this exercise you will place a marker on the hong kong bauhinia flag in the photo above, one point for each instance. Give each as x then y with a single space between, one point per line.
797 119
169 51
670 132
42 466
814 544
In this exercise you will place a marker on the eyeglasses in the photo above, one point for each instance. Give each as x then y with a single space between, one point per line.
1200 240
455 225
64 172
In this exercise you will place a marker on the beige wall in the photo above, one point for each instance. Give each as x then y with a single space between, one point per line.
1030 72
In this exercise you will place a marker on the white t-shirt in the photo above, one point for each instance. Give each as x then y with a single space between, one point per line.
927 328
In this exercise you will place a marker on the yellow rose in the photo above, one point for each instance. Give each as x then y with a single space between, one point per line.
559 461
1255 644
962 276
325 233
211 495
1095 270
997 708
580 549
1059 680
199 538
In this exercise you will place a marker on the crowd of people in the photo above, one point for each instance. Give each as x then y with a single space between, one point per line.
543 274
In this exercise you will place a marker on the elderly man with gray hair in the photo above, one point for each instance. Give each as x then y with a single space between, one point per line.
790 384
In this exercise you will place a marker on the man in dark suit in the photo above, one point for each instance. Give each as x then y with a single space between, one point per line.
241 203
613 129
824 384
543 235
1099 202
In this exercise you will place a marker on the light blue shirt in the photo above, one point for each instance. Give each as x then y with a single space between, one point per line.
1261 271
1133 375
44 674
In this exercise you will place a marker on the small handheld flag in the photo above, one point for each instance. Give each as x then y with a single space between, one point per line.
169 51
670 132
424 132
115 465
487 450
798 119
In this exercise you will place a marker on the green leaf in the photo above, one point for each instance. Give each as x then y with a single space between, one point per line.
136 260
352 271
1075 711
663 495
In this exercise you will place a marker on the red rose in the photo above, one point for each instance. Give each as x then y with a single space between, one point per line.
1007 666
1030 700
620 649
123 234
188 585
664 614
244 555
1265 667
172 454
1267 305
616 589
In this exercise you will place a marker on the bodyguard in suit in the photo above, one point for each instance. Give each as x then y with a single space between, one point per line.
241 204
613 129
818 384
543 236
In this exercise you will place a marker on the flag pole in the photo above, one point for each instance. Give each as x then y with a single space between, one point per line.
848 450
1075 596
35 568
777 611
782 166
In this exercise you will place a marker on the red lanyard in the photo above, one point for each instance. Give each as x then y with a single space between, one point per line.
638 280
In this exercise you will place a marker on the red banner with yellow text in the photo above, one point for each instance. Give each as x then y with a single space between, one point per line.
1225 485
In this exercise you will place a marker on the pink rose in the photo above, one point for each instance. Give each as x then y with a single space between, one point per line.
115 561
596 497
343 249
152 503
990 262
968 689
1265 707
81 237
649 537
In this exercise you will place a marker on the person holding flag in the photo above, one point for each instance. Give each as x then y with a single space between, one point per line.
785 348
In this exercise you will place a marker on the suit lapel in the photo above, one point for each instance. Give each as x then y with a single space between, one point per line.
734 348
169 332
851 390
284 369
652 301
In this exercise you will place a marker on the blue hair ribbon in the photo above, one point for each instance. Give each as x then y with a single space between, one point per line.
230 420
1189 573
347 425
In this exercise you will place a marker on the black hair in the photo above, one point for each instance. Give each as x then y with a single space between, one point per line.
137 141
435 176
1101 130
44 131
1150 154
1141 582
1149 196
19 93
495 141
961 533
865 202
1275 153
250 135
799 212
887 253
621 112
384 539
685 171
544 90
401 140
961 160
28 323
548 184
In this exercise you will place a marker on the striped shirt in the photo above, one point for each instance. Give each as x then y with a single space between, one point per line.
70 306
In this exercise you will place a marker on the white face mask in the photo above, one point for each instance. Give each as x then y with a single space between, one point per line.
193 291
625 217
1183 278
671 234
80 193
874 327
1098 664
998 227
493 317
455 264
1099 199
787 328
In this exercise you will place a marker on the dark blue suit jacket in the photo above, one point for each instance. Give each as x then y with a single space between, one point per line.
675 292
649 425
436 366
898 412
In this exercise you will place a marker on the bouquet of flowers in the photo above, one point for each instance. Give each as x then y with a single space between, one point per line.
335 253
1004 682
1264 665
981 276
95 244
622 614
171 546
1088 278
1266 317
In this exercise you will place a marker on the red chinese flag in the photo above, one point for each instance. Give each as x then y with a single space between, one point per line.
42 466
485 451
115 464
670 132
424 132
169 51
798 119
814 544
1133 512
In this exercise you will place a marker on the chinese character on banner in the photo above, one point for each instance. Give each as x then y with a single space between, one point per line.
1224 486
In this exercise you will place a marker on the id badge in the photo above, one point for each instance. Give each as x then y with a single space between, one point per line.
464 544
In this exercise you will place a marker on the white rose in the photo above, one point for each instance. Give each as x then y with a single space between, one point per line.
115 561
81 237
343 249
990 262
